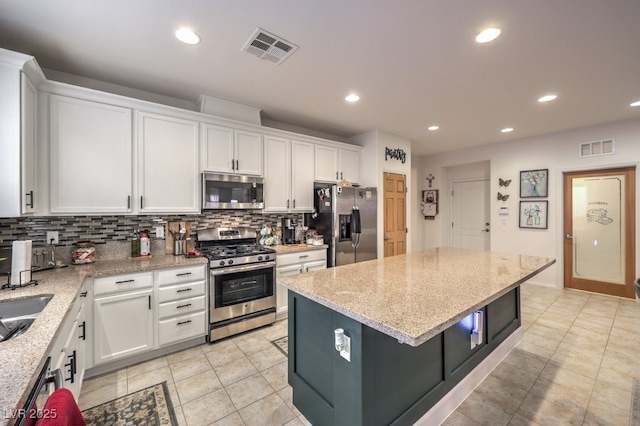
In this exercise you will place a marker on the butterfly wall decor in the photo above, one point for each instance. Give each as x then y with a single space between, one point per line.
503 182
503 197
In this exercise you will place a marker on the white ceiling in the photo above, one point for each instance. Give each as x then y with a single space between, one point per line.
413 62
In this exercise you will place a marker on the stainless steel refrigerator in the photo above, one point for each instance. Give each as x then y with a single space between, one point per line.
347 217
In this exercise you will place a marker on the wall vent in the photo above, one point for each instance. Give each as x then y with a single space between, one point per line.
269 46
592 149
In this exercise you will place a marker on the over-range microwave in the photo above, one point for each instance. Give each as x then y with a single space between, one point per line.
222 191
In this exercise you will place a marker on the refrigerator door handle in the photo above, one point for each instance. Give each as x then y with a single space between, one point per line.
356 227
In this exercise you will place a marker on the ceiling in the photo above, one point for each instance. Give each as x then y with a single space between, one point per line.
414 63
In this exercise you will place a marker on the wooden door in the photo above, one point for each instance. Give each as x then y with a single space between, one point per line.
470 215
599 231
395 214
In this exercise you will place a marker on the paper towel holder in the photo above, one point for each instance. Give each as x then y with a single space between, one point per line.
14 286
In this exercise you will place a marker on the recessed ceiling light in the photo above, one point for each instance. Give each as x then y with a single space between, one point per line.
547 98
187 36
636 103
434 127
507 130
352 98
488 35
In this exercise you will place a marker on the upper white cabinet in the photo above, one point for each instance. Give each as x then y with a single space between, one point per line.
288 175
336 164
28 108
167 164
18 133
230 150
90 157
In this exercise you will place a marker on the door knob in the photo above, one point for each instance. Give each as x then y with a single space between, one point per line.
386 238
569 237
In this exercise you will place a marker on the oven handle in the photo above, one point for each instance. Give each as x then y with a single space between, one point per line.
264 265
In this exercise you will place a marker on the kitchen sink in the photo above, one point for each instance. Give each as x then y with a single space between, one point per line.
17 315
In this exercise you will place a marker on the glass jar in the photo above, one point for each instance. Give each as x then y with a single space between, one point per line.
83 253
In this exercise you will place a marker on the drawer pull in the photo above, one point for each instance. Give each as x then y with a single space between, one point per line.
183 289
183 274
184 322
83 294
125 281
303 256
183 306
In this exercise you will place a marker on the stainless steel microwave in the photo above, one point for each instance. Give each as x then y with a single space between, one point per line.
221 191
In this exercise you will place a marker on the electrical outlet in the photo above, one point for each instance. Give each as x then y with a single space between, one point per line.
159 231
52 237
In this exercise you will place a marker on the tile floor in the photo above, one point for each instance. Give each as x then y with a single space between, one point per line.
574 367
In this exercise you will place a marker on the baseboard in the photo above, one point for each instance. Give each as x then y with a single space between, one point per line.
448 404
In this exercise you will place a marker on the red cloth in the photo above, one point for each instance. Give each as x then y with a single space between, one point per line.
61 410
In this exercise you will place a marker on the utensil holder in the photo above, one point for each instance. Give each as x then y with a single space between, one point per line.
179 247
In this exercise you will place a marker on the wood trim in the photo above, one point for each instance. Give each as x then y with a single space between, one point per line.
629 229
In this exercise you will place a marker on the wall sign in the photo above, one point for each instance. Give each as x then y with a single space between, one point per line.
396 154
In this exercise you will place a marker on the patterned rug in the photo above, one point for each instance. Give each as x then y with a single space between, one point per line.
151 406
282 344
634 419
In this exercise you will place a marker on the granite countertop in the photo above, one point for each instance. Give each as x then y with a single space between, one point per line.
295 248
22 358
414 297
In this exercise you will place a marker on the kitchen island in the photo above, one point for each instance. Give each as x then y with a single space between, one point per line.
411 321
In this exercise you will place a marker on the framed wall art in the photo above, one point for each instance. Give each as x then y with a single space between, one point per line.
534 183
430 203
534 214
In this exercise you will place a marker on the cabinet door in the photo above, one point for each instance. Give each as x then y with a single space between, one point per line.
217 149
90 157
123 325
314 266
302 176
349 165
281 292
248 153
168 164
28 106
277 175
326 164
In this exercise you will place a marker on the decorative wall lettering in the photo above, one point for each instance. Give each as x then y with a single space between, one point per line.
396 154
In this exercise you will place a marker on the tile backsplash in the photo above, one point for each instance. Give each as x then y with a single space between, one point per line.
103 229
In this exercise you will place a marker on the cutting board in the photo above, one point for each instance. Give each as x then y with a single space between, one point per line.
175 227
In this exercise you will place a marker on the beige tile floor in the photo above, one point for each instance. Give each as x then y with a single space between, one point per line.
574 367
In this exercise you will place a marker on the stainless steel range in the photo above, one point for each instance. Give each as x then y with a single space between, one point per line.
241 286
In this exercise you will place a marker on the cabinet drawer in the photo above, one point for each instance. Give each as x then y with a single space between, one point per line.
181 328
180 291
178 275
301 257
181 307
120 283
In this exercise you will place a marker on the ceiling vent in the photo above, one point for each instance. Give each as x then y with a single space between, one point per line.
269 46
591 149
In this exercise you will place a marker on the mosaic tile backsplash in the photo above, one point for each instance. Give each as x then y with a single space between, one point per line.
103 229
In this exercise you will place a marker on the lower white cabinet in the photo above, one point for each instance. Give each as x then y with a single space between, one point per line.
122 316
293 264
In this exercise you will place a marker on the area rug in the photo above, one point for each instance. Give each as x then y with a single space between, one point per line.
282 344
634 418
151 406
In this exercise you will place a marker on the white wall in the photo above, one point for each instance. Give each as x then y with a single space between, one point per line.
557 152
373 165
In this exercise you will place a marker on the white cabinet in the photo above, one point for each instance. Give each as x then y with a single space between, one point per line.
168 178
90 157
230 150
288 175
336 164
28 125
293 264
122 316
182 304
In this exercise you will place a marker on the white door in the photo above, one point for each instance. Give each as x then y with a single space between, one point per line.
302 175
29 105
217 149
326 164
277 175
248 153
470 215
349 166
281 292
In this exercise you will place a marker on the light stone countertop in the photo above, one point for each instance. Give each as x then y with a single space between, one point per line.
414 297
296 248
22 358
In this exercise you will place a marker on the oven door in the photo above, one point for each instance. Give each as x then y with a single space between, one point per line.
241 290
